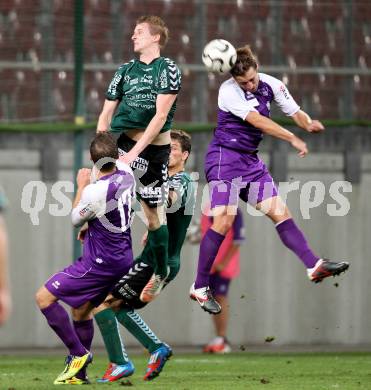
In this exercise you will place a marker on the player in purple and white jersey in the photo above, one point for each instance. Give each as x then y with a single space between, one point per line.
234 170
105 206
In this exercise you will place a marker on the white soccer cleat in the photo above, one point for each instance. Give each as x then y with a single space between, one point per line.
206 300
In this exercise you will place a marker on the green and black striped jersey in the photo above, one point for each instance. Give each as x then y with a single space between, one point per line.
136 85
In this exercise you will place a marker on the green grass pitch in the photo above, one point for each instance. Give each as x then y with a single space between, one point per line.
207 372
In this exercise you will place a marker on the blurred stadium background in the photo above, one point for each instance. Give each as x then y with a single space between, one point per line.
57 58
321 49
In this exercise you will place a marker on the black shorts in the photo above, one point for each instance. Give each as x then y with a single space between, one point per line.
150 170
130 286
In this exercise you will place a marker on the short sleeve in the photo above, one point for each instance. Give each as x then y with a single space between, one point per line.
114 91
179 184
92 204
238 228
233 99
170 78
282 96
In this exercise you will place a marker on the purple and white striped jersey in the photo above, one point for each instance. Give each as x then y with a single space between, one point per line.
234 104
106 206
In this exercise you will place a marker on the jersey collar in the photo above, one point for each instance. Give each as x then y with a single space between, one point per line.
151 63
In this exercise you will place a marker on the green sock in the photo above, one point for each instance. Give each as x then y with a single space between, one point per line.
174 265
146 256
159 242
107 324
132 321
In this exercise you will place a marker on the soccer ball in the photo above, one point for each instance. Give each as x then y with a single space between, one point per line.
219 56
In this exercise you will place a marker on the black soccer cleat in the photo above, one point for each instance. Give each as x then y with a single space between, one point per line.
325 268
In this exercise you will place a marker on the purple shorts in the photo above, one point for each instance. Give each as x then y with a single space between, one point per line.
232 174
86 282
219 285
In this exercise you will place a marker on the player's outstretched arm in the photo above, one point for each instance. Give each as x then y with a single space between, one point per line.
270 127
105 117
303 120
164 103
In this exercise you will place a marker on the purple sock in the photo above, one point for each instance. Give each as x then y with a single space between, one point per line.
85 333
209 247
294 239
59 321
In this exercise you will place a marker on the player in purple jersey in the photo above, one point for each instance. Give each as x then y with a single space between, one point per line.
120 306
233 169
105 205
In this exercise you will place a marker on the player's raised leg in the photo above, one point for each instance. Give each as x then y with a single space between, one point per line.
293 238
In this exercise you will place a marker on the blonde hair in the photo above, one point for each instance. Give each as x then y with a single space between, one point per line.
246 59
156 26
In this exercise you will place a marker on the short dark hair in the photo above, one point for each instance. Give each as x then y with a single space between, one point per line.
183 138
246 59
104 145
156 26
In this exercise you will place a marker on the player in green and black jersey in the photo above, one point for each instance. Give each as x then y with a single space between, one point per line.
180 203
139 107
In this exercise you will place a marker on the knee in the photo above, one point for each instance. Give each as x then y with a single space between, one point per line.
280 217
155 217
43 298
222 225
153 222
79 316
275 209
153 225
111 303
227 225
82 313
